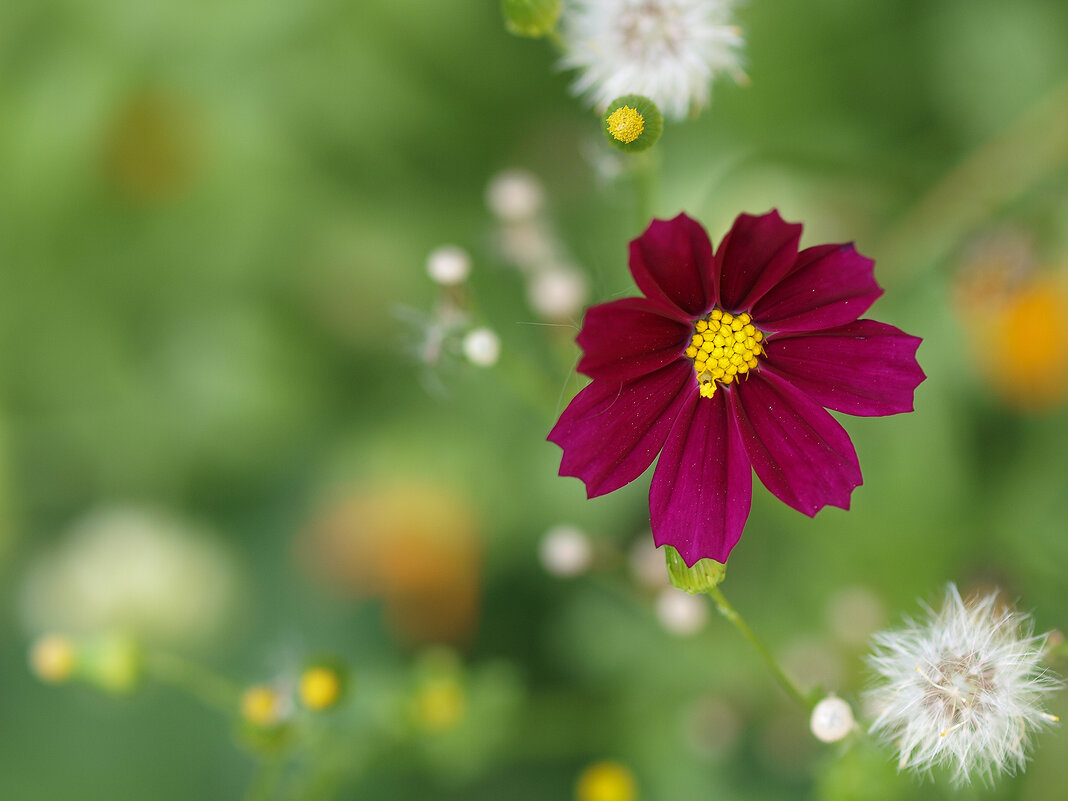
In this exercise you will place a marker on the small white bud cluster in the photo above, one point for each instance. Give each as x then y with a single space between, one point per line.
962 688
556 289
448 329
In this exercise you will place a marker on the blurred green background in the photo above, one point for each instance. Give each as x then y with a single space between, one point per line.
217 434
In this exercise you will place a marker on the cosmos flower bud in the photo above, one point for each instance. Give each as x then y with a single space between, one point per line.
533 18
632 123
702 577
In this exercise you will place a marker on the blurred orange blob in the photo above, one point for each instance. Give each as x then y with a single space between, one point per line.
151 150
415 546
1017 321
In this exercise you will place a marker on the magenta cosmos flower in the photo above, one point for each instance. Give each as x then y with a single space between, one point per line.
725 367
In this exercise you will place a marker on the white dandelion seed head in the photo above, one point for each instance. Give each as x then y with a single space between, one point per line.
667 50
962 688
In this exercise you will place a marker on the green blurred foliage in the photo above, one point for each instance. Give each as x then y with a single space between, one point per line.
210 215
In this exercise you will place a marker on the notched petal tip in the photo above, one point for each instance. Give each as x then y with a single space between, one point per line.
671 263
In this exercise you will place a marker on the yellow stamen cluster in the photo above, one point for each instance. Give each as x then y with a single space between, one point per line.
724 347
626 124
320 688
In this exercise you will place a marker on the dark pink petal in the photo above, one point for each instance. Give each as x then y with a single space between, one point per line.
865 368
830 285
754 256
611 432
672 263
798 450
703 483
625 339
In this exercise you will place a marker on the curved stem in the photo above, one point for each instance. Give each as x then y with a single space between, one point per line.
1000 170
208 687
729 612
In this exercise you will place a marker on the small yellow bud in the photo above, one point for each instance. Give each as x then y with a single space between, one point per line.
320 688
440 704
606 781
53 658
261 705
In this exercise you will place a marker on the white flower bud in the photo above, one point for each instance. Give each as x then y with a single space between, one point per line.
565 551
558 292
681 613
514 195
448 265
482 347
832 720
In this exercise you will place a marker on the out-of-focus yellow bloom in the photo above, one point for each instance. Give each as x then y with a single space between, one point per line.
423 558
261 705
1016 318
320 688
53 658
606 781
440 704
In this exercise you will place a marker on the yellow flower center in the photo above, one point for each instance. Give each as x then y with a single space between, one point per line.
626 124
723 347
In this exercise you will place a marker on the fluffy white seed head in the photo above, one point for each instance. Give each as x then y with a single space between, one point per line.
482 347
832 720
667 50
961 688
565 551
448 265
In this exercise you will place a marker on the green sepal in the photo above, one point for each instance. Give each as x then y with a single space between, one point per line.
532 18
705 575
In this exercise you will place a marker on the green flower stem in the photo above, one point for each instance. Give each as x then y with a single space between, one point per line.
645 172
1027 152
266 779
210 688
729 612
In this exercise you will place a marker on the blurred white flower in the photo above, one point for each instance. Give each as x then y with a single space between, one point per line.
565 551
134 571
681 613
831 720
647 563
514 195
962 688
558 293
448 265
667 50
482 347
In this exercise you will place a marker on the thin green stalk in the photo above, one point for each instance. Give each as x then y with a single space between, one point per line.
729 612
265 780
645 172
1002 169
208 687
